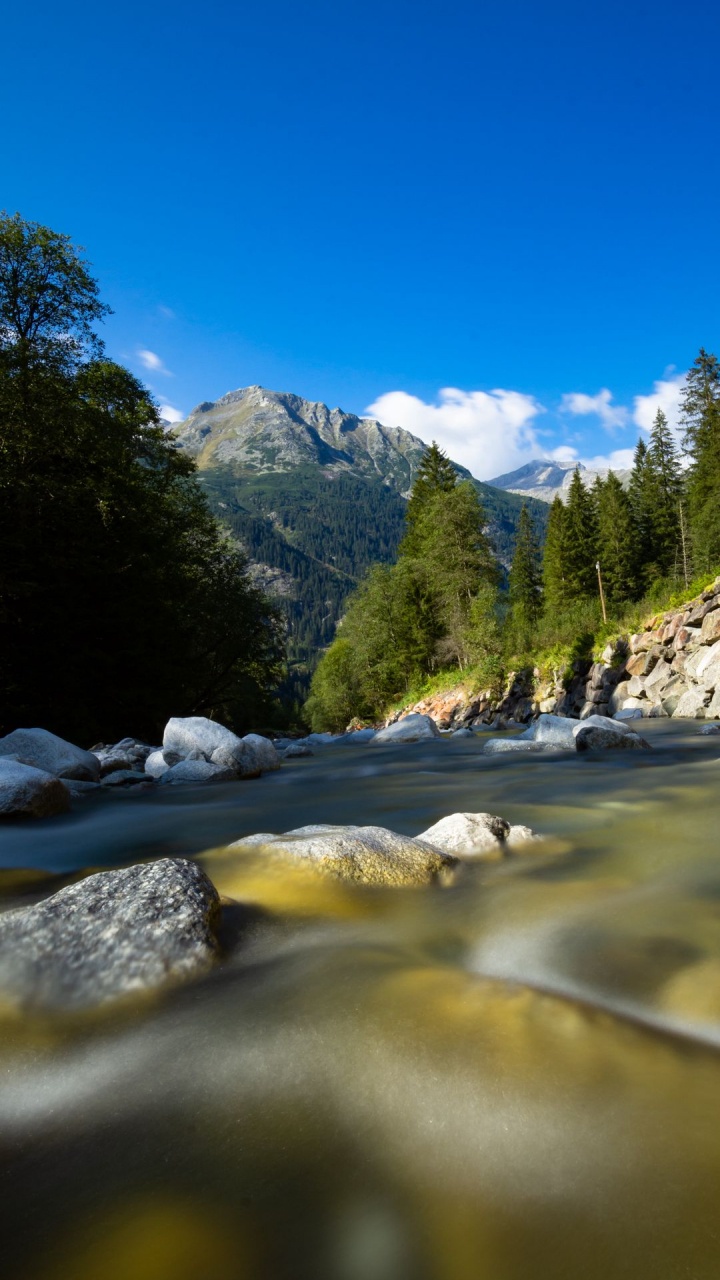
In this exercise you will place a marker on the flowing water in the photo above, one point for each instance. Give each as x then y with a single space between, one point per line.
516 1076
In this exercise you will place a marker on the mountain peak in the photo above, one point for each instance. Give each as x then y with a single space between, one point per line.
546 479
263 431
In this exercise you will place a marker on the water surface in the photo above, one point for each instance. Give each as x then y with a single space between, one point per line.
515 1076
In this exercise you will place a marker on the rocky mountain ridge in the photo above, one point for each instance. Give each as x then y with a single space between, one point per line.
547 480
257 430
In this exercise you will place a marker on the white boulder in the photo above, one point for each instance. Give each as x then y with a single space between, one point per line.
31 792
263 750
45 751
412 728
197 771
156 764
184 734
556 731
475 836
691 705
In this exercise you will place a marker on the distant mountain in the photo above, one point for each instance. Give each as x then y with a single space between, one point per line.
316 496
546 480
255 430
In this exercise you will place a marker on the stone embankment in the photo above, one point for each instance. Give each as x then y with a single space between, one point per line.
672 668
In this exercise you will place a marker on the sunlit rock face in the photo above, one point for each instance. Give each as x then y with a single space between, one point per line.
275 431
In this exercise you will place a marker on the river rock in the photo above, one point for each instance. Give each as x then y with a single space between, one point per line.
197 771
126 778
592 737
710 729
602 722
44 750
413 728
475 836
186 734
30 792
112 760
297 749
463 733
630 713
691 705
114 934
366 855
521 744
356 737
262 748
556 731
156 764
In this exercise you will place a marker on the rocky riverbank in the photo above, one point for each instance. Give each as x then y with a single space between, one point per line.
671 668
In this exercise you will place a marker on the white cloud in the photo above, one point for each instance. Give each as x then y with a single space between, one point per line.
611 415
170 414
149 360
489 432
666 395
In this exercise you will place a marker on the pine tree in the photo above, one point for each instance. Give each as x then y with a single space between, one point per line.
665 492
579 552
555 590
525 587
436 474
616 548
701 418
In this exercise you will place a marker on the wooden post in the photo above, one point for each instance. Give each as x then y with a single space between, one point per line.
602 593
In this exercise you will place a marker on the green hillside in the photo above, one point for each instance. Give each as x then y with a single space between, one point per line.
319 532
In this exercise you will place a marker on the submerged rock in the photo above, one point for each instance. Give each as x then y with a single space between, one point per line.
114 934
412 728
366 855
44 750
475 835
598 737
30 792
508 746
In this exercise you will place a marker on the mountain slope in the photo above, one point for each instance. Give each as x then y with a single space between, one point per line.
316 496
545 480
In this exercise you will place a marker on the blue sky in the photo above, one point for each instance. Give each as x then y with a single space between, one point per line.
493 224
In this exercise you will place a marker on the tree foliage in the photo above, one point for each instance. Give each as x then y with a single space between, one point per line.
701 419
436 606
120 601
525 583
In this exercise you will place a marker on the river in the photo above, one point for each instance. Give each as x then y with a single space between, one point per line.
514 1077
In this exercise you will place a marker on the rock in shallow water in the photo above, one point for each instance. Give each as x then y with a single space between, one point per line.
44 750
598 737
412 728
29 792
508 746
114 934
367 855
475 835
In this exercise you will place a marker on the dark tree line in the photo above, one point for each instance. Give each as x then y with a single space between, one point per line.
121 602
